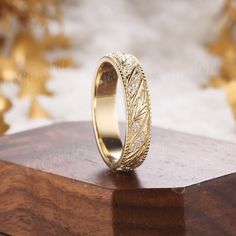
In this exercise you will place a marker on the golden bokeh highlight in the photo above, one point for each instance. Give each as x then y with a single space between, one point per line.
23 61
225 48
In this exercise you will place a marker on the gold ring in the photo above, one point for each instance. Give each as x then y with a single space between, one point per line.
129 154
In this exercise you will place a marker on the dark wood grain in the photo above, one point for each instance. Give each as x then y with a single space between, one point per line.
53 182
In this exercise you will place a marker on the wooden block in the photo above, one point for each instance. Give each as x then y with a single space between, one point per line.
54 182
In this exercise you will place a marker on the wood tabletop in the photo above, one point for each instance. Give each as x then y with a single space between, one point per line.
68 149
54 182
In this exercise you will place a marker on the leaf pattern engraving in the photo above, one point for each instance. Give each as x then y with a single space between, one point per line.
138 105
139 119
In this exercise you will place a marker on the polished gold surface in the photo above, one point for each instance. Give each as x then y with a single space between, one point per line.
130 153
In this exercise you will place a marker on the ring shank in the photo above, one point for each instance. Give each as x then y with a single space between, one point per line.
129 152
105 114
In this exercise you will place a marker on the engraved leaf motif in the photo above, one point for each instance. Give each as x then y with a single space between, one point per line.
138 137
139 107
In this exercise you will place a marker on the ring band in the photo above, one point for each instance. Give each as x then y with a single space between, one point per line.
133 151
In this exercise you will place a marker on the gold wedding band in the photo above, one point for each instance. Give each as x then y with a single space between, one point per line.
133 151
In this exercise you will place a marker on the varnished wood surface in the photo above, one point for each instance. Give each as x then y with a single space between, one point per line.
53 182
69 149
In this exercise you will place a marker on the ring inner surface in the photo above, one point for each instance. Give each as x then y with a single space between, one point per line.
106 114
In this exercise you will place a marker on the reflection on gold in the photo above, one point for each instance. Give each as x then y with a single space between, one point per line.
225 48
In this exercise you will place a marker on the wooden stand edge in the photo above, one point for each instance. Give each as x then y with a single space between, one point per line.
40 202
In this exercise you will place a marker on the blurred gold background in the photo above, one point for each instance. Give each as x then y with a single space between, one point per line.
26 41
225 48
23 49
